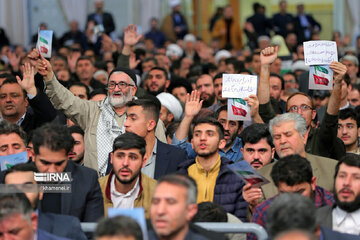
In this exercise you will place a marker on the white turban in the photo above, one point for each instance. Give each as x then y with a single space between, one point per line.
171 103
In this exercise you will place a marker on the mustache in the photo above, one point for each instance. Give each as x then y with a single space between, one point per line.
256 161
346 189
125 168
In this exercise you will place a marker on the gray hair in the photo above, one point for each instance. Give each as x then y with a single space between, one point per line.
14 202
300 123
290 211
184 181
9 128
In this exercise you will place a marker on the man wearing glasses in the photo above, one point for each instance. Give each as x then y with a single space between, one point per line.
101 121
323 140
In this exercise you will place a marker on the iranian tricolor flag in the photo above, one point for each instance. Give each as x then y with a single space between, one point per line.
321 76
44 42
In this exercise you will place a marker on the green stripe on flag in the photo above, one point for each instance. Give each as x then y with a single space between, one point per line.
43 40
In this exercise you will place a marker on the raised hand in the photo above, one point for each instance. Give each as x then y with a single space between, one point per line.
28 82
72 59
132 61
107 44
339 71
130 36
268 55
193 104
45 69
34 57
251 196
253 102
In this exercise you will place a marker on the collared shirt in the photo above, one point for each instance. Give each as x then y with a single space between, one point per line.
346 222
323 197
206 180
149 168
234 153
121 200
19 122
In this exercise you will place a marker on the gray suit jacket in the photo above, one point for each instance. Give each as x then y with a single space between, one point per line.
323 169
324 216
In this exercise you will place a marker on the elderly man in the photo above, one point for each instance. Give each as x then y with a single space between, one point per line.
102 121
290 135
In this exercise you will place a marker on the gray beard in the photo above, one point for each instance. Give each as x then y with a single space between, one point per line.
120 101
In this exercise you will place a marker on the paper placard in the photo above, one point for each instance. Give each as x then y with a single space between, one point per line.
321 77
8 161
320 52
239 85
238 109
44 43
248 175
137 214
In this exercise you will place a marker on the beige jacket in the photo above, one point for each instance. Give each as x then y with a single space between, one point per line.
147 186
86 114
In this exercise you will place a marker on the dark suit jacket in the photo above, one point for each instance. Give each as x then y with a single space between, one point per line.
43 235
85 200
108 21
41 111
61 225
299 30
168 158
328 234
324 216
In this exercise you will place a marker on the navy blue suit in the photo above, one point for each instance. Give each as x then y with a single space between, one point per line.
43 235
61 225
85 200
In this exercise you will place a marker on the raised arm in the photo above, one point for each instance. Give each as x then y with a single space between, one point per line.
253 102
130 39
192 107
335 97
267 56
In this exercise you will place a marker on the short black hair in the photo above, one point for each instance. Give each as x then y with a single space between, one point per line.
281 79
212 121
219 75
9 128
21 167
349 113
80 84
54 136
255 132
149 105
118 226
161 69
225 108
76 129
292 170
350 159
238 65
10 79
130 140
96 92
210 212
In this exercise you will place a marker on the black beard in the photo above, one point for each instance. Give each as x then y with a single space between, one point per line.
348 206
154 93
209 102
79 160
131 180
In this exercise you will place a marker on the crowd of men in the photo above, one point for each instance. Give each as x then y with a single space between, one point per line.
142 122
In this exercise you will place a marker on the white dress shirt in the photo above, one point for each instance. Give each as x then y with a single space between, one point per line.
346 222
126 200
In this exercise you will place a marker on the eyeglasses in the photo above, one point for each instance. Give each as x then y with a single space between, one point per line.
121 85
303 108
